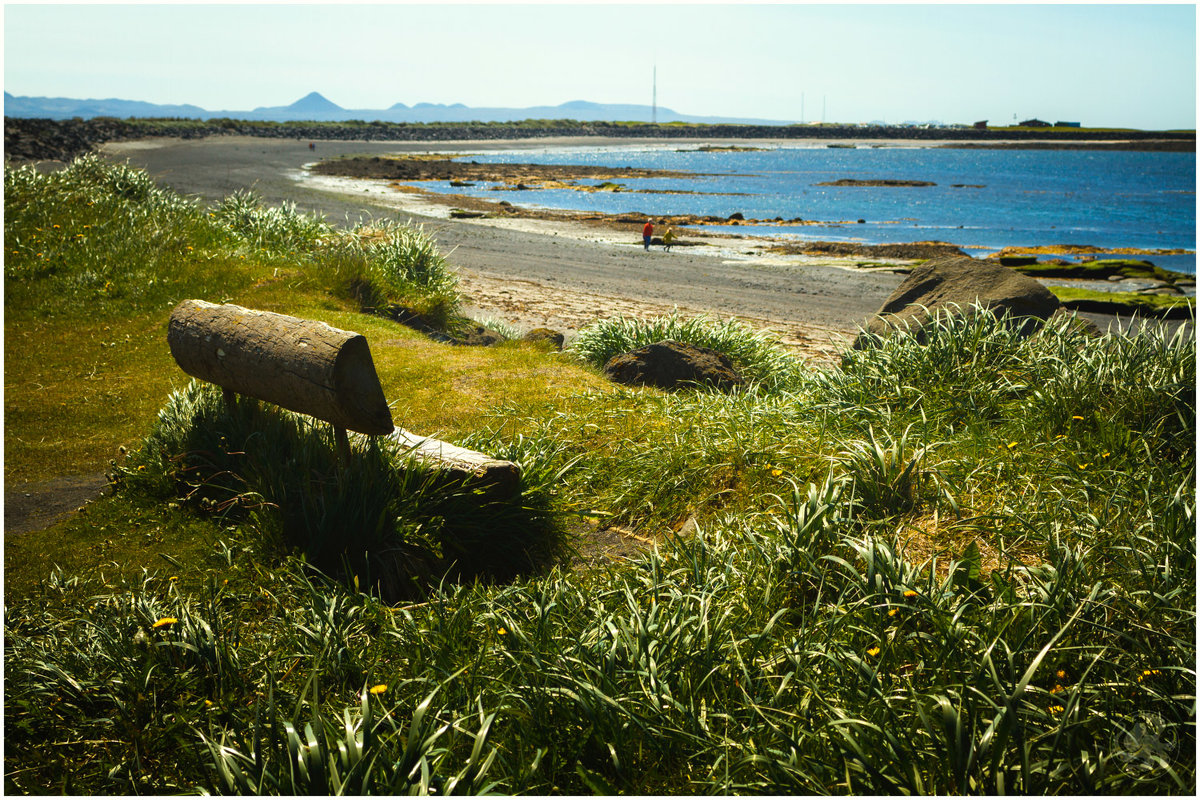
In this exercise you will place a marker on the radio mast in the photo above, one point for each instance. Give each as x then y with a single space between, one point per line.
654 96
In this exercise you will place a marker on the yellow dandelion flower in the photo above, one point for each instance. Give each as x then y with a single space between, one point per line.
892 612
173 578
208 703
378 688
873 651
1057 688
1105 454
910 593
1011 445
776 472
1147 673
1076 416
1061 674
165 621
1056 709
1085 466
502 631
56 227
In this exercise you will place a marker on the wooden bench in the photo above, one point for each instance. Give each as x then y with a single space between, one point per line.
315 369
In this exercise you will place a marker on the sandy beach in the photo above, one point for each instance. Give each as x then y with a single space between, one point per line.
531 272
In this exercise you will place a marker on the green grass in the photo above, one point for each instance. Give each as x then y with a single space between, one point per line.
1145 302
963 566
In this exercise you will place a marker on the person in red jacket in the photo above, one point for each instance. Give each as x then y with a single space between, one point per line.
647 232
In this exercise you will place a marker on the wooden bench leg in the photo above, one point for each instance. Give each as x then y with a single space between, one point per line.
343 445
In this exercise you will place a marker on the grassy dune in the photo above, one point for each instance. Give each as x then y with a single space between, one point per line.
965 566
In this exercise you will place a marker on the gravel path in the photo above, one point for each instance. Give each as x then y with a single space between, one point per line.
529 274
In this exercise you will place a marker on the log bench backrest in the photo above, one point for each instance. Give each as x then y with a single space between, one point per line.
301 365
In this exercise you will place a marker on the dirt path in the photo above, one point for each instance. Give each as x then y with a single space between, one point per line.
37 506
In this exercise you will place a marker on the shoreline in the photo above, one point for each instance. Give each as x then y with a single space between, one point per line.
528 272
412 173
527 303
618 229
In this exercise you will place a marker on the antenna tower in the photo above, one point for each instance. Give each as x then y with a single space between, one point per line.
654 97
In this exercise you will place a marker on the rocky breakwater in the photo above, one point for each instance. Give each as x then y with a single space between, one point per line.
64 140
39 139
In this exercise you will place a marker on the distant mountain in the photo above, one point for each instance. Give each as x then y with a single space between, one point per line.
316 107
311 103
65 108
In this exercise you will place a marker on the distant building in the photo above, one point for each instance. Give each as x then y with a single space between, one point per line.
1061 124
1034 123
981 125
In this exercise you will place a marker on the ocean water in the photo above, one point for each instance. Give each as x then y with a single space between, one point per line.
983 199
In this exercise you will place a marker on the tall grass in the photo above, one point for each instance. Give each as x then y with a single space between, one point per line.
382 519
386 263
272 228
96 239
105 237
757 354
963 566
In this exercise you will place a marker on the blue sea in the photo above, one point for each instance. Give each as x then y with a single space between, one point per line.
983 199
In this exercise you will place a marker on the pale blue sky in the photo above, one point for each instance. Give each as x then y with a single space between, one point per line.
1102 65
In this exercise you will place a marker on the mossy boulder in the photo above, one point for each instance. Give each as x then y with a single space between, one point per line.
671 365
960 286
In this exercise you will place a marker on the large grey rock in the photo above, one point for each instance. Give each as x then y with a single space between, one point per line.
670 365
958 285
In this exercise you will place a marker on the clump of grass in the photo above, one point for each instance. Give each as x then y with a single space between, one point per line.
381 518
378 263
887 476
757 354
386 263
404 255
272 228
